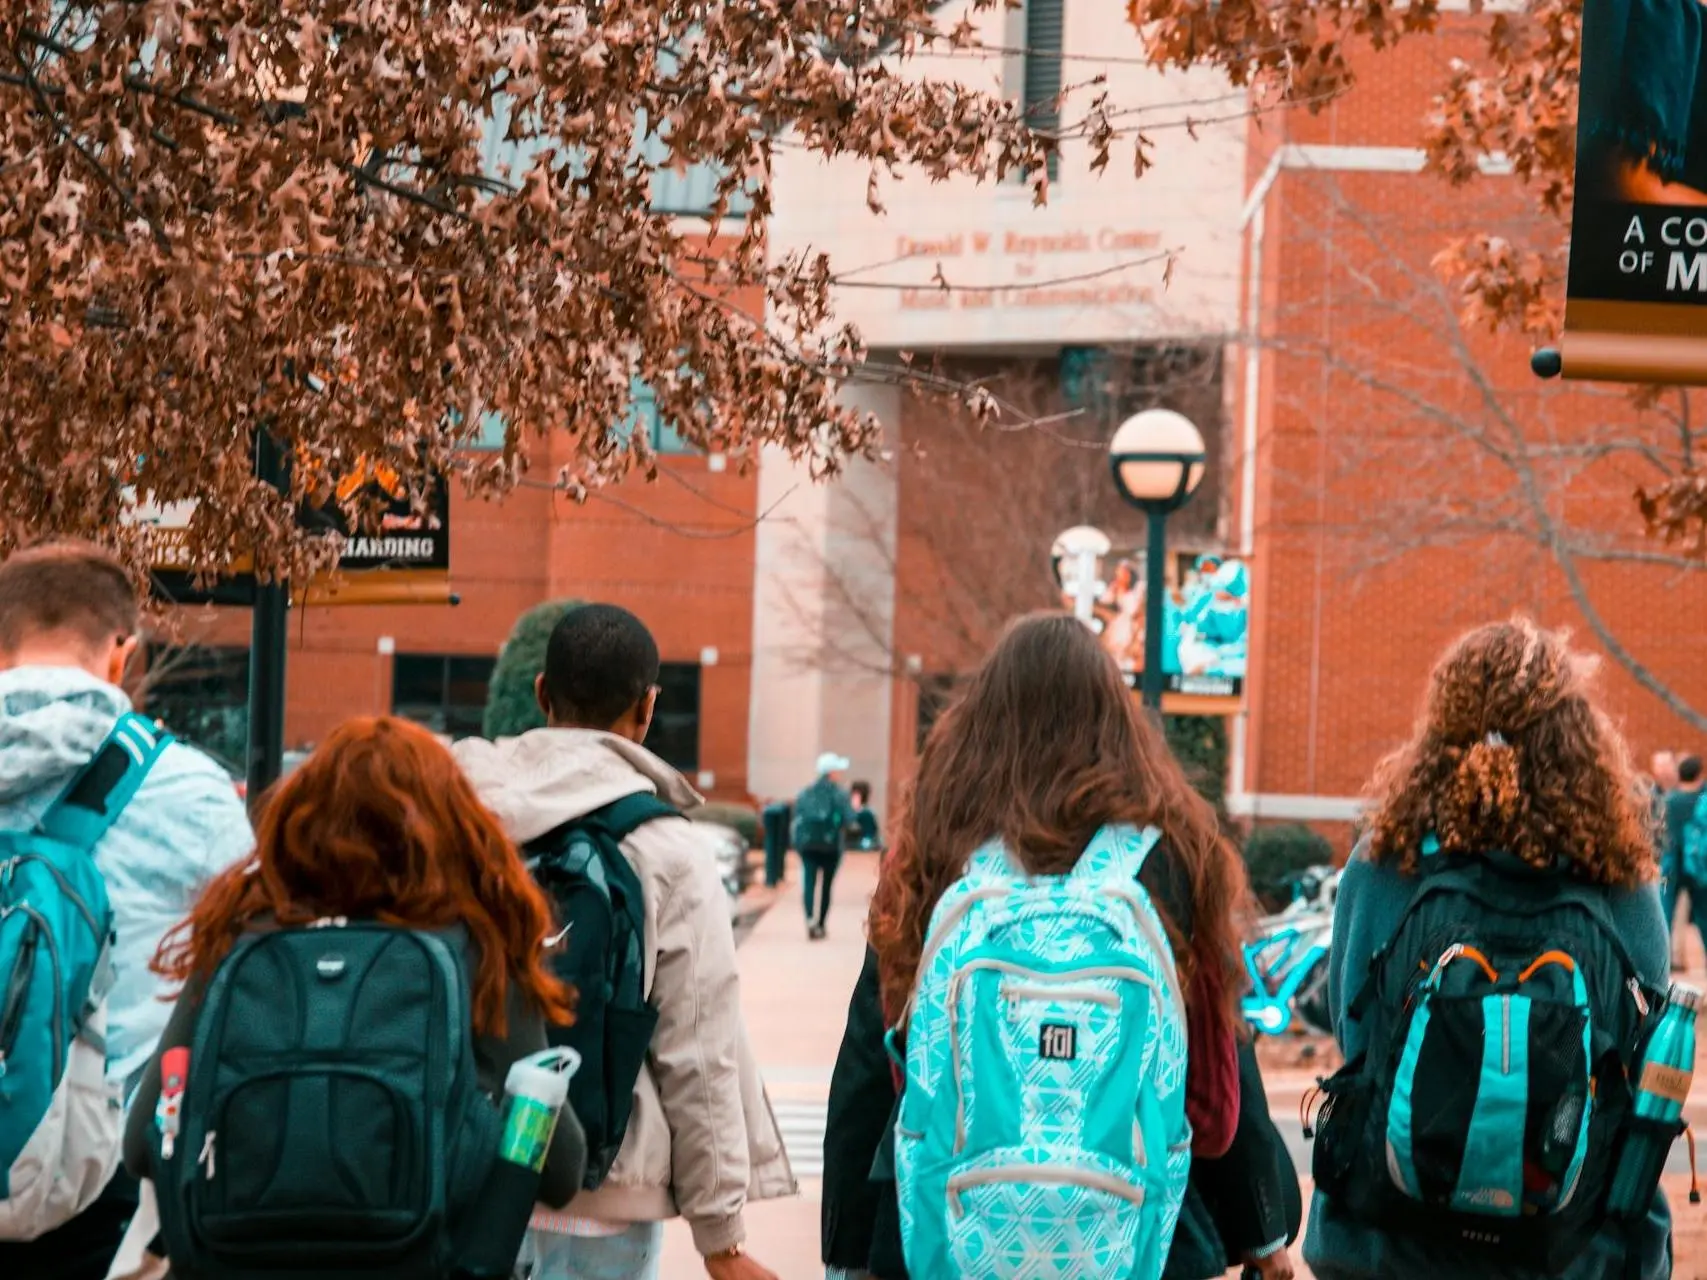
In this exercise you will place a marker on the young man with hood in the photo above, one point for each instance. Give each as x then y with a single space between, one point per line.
68 630
701 1142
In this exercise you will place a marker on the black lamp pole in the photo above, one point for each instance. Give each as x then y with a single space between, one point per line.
268 636
1156 557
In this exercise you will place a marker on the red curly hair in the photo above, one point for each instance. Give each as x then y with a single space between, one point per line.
1513 752
380 824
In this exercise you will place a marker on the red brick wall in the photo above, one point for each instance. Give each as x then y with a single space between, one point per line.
1390 513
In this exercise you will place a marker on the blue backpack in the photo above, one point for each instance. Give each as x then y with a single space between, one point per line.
60 1123
1042 1130
1695 843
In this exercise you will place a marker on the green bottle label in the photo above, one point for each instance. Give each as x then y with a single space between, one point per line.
527 1133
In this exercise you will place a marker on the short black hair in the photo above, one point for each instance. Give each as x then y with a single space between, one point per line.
599 662
862 790
1689 769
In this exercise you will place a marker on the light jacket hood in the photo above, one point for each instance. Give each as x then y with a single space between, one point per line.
52 719
184 826
546 777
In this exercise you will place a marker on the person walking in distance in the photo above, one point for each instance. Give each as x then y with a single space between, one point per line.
1054 951
823 812
1683 853
160 820
693 1131
1498 959
355 995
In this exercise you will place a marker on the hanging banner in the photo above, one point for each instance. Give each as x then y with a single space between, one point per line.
405 560
1206 628
1636 299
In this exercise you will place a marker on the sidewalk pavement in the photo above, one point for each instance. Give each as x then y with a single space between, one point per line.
795 997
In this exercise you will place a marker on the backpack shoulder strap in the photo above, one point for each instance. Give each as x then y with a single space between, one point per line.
86 810
622 818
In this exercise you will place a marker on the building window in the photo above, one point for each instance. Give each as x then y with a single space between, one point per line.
202 696
1040 95
442 692
674 737
643 416
936 694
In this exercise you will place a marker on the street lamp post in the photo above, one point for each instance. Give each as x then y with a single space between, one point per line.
1158 460
1077 558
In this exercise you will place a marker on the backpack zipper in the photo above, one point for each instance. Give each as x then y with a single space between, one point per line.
206 1158
17 994
64 887
1046 1174
1636 994
1505 1035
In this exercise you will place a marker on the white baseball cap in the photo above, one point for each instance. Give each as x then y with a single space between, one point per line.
830 762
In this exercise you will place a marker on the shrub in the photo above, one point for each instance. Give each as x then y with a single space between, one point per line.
1199 743
511 707
738 817
1277 854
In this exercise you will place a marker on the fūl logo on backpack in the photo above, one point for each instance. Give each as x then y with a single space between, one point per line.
1058 1042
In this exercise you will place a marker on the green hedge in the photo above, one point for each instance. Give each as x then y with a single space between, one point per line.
511 707
1199 743
1276 854
736 816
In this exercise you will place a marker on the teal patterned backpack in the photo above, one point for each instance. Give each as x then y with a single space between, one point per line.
1042 1131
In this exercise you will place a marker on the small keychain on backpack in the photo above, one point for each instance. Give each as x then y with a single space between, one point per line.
174 1075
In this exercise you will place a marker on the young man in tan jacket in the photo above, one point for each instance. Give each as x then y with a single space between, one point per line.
701 1142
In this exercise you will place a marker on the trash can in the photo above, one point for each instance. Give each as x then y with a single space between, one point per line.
776 819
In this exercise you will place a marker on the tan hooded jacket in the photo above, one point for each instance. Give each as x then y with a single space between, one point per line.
702 1141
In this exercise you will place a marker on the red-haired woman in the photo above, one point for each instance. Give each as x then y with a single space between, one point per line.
379 826
1045 754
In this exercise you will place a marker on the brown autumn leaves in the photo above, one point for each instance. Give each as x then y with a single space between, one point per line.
226 215
221 215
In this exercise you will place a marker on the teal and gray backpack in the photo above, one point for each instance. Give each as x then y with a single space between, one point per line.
1694 841
601 909
1042 1130
60 1123
820 817
1503 1020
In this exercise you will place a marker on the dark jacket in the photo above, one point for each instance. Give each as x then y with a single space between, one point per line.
565 1163
1242 1200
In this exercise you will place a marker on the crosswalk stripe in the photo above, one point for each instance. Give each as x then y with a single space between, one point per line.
802 1128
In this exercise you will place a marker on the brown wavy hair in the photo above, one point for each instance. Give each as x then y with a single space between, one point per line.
1046 747
380 824
1513 754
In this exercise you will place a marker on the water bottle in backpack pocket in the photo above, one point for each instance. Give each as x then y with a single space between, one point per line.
1487 1108
332 1124
61 1121
1042 1131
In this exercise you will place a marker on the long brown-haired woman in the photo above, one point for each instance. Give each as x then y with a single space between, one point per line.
313 977
1498 946
1047 750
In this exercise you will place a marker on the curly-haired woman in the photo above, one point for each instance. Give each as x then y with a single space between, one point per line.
1514 778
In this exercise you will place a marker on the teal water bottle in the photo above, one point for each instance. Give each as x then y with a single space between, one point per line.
534 1093
1662 1087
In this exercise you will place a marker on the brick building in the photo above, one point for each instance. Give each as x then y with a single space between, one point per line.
1391 477
1408 477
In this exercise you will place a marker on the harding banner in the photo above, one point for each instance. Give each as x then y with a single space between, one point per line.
404 559
1636 307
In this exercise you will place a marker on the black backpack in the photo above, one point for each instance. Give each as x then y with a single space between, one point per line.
1484 1117
332 1123
602 911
